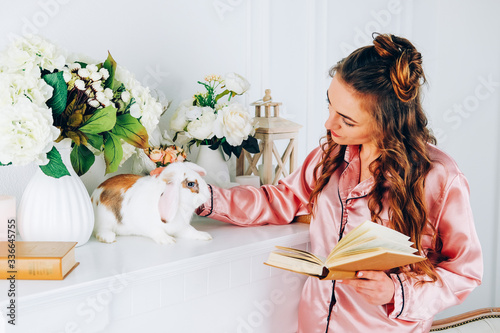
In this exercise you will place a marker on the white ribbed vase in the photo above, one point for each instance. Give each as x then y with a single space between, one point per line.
215 165
56 209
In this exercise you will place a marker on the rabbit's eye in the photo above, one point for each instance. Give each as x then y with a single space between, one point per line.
191 185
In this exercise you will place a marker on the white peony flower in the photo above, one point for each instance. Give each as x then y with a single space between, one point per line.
202 128
26 133
234 123
236 83
178 121
193 113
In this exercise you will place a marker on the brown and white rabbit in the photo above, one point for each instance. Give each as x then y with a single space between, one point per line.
159 206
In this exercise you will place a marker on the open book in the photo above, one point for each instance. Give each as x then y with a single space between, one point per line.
369 246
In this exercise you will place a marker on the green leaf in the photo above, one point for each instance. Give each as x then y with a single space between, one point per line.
95 140
81 159
110 65
251 145
227 148
113 152
1 164
101 121
59 97
131 130
55 168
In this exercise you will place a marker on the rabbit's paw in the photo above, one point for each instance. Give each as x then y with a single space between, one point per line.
106 236
163 238
195 234
202 235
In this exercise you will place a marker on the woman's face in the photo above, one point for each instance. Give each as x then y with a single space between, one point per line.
348 121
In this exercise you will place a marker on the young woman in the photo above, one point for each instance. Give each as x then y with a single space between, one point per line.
377 163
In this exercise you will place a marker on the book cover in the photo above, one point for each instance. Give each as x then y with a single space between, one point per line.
28 260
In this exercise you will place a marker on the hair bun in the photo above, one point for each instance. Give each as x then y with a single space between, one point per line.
406 72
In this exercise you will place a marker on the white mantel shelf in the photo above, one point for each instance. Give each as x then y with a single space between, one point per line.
135 284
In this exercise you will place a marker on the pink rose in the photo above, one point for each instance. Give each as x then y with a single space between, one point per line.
156 155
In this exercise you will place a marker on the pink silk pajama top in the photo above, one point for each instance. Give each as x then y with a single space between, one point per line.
343 203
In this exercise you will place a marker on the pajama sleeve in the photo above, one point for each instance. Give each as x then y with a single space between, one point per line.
247 205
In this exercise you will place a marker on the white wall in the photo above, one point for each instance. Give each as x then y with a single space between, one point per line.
288 46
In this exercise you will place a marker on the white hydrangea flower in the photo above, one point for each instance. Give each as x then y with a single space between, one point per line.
234 123
15 86
26 133
32 51
146 108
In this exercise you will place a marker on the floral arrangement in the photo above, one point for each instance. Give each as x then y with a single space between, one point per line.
164 155
206 120
45 98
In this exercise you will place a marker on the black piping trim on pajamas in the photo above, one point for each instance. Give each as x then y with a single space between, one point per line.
403 296
211 200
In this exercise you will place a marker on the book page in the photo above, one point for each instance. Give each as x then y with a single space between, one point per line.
301 254
375 259
294 264
367 232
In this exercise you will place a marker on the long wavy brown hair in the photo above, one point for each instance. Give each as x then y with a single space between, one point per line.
388 76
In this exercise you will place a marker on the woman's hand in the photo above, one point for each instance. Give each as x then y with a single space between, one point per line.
375 286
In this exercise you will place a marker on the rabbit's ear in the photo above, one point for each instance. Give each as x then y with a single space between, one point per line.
196 168
169 202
